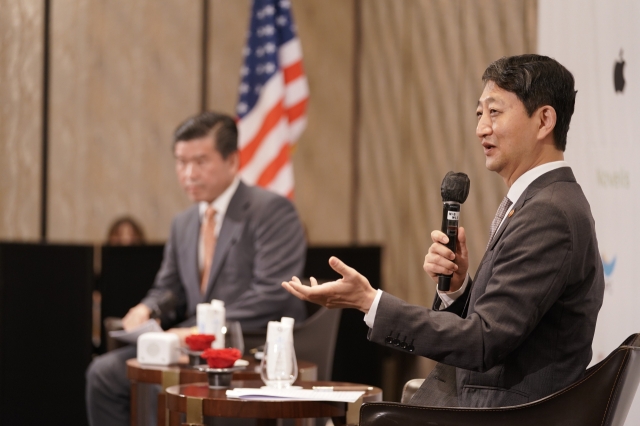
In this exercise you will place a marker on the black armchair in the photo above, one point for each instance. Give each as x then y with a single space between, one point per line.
602 398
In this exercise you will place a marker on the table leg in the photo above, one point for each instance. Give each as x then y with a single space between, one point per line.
162 409
133 403
175 419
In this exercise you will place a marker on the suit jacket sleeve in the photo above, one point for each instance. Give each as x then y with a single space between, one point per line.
166 298
530 265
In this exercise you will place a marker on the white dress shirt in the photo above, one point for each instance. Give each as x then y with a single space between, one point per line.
516 190
220 205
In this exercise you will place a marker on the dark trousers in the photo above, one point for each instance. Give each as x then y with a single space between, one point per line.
108 392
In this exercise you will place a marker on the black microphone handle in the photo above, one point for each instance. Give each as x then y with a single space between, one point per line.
444 282
450 220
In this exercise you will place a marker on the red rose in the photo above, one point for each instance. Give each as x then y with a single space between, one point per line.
200 342
221 358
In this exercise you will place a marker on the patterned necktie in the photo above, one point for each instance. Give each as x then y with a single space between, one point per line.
502 210
208 235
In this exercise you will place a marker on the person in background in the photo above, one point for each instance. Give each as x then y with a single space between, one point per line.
236 243
125 231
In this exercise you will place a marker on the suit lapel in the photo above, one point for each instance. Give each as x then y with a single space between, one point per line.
492 244
557 175
230 232
189 262
512 212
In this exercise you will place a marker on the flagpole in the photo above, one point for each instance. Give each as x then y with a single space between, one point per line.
355 129
204 83
44 178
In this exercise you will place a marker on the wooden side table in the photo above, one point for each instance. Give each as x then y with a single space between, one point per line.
195 401
171 375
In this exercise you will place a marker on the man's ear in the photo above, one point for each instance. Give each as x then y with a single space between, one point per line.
234 161
547 121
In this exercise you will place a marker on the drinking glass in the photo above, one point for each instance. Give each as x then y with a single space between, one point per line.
278 368
233 336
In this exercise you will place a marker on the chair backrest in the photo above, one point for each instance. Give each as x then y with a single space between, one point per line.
315 339
602 398
627 384
127 273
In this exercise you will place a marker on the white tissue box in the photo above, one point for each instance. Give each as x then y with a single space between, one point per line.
158 348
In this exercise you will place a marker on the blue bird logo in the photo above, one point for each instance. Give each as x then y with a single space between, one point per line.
608 266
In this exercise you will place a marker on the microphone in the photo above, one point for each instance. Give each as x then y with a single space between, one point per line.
454 190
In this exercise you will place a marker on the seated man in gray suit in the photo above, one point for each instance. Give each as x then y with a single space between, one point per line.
235 244
523 327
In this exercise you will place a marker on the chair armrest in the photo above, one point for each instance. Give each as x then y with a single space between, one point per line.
112 324
393 413
409 389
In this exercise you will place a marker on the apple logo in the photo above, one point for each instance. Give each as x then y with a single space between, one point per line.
618 76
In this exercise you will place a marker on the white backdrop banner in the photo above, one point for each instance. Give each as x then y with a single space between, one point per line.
599 42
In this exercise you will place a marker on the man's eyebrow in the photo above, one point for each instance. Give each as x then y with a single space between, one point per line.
195 157
487 100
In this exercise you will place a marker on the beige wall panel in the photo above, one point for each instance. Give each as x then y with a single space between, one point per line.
21 67
322 160
228 25
434 136
384 144
434 131
123 75
384 152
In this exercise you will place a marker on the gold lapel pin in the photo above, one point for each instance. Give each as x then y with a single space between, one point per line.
512 212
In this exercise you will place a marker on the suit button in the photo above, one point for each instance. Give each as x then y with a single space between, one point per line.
411 348
388 340
396 340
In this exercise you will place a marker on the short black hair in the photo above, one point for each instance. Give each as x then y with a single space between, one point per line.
537 81
221 126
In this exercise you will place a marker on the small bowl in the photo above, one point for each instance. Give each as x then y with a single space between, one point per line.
219 378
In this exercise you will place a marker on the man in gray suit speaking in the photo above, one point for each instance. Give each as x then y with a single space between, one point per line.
523 327
235 244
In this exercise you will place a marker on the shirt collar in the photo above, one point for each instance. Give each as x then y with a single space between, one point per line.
221 203
523 182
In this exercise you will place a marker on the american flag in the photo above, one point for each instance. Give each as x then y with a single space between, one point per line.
273 97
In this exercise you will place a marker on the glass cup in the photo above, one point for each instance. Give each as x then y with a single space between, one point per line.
233 336
278 368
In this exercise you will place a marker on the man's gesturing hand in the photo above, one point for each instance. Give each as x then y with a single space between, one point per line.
351 291
441 260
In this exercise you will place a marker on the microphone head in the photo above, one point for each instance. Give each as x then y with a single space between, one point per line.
455 187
